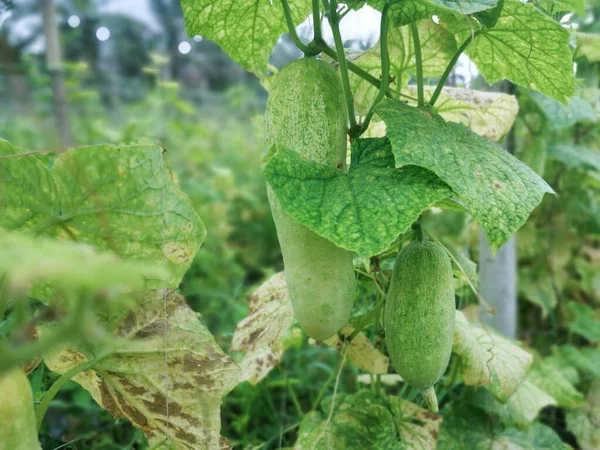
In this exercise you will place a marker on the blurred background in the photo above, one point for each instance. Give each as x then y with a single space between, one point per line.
81 72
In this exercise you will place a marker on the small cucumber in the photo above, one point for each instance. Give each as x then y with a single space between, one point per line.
419 316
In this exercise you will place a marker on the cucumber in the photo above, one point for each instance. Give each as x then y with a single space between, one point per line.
17 419
419 316
306 113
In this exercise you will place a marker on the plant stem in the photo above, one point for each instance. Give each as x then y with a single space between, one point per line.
334 21
292 29
450 66
419 63
316 20
41 409
385 66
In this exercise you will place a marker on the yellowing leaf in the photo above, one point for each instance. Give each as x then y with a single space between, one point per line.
259 335
489 114
361 352
489 359
169 384
418 427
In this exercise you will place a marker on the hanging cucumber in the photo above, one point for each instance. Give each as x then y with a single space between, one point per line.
17 419
306 113
419 316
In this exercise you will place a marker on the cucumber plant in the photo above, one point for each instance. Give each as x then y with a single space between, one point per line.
124 334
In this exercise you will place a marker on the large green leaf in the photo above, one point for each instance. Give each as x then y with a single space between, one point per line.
487 359
404 12
548 375
247 30
131 375
363 209
499 190
525 47
117 198
562 116
467 427
587 360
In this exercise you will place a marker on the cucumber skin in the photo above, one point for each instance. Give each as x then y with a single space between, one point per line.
419 313
17 418
306 113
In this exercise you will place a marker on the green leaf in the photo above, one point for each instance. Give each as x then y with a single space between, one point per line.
585 322
489 359
72 267
583 422
561 116
525 47
538 288
587 360
357 422
130 375
589 46
547 375
437 49
499 190
467 427
247 30
260 334
117 198
363 209
575 156
557 6
404 12
489 18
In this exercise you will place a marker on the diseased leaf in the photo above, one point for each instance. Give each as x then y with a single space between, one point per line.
499 190
522 407
469 428
418 428
525 47
560 116
585 322
437 49
117 198
246 30
361 352
363 209
583 422
489 114
547 375
489 359
259 335
132 373
357 422
575 156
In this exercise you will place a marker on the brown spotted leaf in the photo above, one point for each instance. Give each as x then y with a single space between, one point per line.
260 334
417 427
131 374
361 352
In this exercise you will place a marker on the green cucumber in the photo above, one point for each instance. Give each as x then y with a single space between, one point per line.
306 113
419 316
17 419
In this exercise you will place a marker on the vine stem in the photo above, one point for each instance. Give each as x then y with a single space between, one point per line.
292 29
316 20
385 66
41 409
419 63
450 66
334 21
